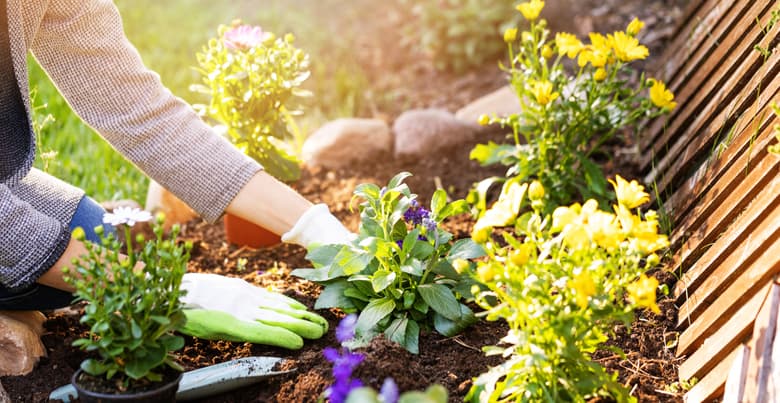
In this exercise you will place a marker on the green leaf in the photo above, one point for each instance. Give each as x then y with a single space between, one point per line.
467 249
316 275
491 153
367 191
422 250
397 180
438 202
375 311
433 394
445 269
333 296
415 268
440 298
362 395
595 179
172 343
162 320
323 255
454 208
351 260
396 332
412 340
93 367
135 330
382 279
449 328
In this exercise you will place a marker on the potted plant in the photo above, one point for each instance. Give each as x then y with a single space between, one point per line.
132 311
253 79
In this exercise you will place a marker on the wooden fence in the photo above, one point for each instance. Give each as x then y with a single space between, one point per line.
721 188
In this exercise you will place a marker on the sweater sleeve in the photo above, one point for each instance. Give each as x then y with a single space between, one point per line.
44 240
82 46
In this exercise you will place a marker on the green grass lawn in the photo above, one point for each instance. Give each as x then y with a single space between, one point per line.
168 34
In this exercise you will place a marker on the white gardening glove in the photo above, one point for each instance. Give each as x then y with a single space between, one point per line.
318 226
220 307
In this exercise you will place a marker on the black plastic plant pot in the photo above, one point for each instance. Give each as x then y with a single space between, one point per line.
165 393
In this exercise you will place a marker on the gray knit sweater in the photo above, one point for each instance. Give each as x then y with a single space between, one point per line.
81 45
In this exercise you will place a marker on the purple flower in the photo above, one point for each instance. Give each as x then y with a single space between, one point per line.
345 331
416 213
389 391
244 37
344 362
429 224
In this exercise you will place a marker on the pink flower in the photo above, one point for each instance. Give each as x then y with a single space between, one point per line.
244 37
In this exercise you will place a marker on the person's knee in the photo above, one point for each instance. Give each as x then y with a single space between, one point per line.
88 216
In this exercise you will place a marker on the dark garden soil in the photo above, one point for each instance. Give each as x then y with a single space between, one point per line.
647 368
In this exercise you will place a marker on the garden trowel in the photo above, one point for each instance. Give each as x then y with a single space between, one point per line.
207 381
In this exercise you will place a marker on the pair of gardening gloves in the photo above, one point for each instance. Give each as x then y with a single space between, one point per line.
227 308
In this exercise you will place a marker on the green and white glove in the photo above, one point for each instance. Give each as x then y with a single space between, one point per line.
227 308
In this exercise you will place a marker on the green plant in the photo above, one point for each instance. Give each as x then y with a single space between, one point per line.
459 34
561 282
133 301
566 119
253 79
398 273
775 148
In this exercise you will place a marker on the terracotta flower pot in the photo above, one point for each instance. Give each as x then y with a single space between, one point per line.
164 393
244 233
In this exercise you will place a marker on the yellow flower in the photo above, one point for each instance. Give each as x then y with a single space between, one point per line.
563 216
634 27
531 9
600 74
543 92
510 35
568 44
483 120
660 96
631 194
547 52
487 272
522 254
642 293
627 48
604 230
576 237
584 288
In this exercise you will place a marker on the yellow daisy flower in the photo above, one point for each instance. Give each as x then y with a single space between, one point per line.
584 288
543 92
627 48
568 44
661 96
635 26
642 293
630 194
531 9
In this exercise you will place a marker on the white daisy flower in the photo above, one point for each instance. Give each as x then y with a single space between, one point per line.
126 215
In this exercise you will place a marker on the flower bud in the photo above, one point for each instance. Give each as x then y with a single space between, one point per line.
289 38
486 273
510 35
652 260
480 236
460 265
547 52
78 233
600 74
483 120
536 191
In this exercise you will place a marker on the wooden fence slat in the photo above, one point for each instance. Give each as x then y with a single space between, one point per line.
735 382
695 26
752 228
711 385
760 362
754 135
724 103
732 44
757 273
729 270
734 331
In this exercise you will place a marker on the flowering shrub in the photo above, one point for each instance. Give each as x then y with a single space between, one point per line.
398 273
132 313
459 34
565 119
561 282
347 389
253 79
